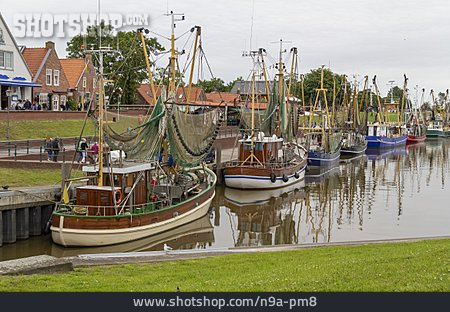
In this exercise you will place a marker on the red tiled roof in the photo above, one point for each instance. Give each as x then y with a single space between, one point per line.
145 91
73 68
34 58
227 97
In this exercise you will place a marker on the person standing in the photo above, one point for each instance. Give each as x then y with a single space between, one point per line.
83 146
48 148
55 149
94 151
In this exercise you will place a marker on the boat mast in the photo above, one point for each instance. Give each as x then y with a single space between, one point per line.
380 108
147 63
263 65
101 98
191 74
291 73
173 56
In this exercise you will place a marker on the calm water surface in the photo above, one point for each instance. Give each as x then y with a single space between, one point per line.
397 193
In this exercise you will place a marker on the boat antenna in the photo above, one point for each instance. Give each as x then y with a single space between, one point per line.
175 17
251 25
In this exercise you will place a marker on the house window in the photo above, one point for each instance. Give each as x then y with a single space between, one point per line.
43 98
62 101
55 102
56 77
88 96
48 77
84 82
6 60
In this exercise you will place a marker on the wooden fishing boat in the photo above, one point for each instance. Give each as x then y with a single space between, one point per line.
416 125
353 139
383 134
130 199
268 162
271 164
323 139
439 125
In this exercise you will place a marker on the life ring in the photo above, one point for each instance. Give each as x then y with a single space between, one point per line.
118 200
273 177
296 175
285 178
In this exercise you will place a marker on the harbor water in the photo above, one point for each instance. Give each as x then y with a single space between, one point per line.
384 194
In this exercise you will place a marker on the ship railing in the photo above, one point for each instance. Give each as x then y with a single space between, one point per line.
268 165
91 210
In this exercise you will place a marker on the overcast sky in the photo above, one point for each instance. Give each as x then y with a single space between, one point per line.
383 37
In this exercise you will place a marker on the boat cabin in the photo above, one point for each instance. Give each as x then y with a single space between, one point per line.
266 149
118 182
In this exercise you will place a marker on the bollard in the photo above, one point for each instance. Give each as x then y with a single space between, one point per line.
9 149
22 223
64 154
28 147
9 226
15 152
40 153
34 221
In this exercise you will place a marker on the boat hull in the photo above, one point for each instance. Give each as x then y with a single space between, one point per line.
385 142
353 150
416 138
261 178
91 230
93 237
436 133
319 159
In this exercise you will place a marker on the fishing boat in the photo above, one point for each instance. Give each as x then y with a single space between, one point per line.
439 125
268 161
353 139
160 185
323 139
383 133
417 130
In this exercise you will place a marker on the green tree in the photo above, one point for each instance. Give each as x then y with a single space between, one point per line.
215 84
397 92
311 83
125 66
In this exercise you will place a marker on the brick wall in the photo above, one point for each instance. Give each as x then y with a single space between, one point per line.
52 63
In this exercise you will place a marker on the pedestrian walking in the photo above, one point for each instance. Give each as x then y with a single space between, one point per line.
94 151
83 147
48 148
55 149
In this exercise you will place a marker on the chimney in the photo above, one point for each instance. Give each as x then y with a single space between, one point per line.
50 45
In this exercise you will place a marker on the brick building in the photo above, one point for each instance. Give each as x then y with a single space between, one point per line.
47 71
81 76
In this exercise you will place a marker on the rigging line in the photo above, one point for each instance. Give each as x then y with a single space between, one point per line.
158 34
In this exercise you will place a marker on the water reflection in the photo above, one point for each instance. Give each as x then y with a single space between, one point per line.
383 194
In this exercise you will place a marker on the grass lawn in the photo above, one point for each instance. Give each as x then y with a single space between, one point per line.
32 177
37 129
418 266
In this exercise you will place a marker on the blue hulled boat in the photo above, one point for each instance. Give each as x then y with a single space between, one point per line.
385 136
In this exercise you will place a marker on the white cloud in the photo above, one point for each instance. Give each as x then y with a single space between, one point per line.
384 37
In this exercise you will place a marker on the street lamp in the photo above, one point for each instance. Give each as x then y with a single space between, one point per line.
9 93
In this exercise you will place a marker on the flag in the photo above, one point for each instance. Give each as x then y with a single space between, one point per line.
66 194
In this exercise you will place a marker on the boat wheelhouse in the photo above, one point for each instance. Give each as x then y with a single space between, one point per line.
270 163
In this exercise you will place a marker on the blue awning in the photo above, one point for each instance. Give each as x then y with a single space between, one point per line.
18 83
